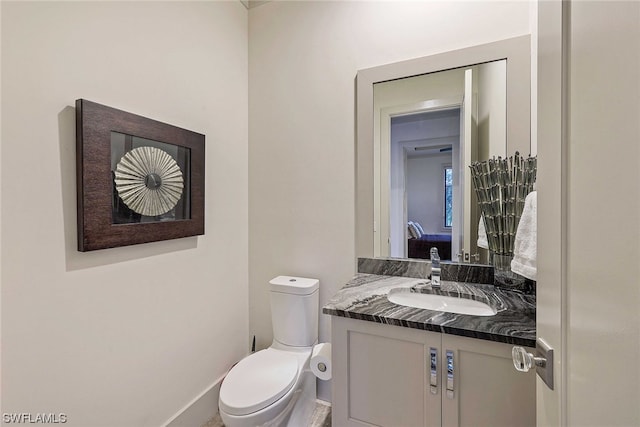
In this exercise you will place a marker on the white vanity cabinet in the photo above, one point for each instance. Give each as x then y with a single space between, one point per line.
382 376
487 389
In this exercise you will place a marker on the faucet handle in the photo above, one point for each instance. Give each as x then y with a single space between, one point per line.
426 284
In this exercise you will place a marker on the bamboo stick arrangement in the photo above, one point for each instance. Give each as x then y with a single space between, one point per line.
502 186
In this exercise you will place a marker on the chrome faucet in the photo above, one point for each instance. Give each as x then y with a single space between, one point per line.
435 268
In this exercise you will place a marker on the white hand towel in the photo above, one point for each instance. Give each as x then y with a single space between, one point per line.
525 246
482 234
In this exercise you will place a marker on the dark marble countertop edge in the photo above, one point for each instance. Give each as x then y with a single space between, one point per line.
486 336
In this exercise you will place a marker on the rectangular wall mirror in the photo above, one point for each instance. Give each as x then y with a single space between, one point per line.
420 124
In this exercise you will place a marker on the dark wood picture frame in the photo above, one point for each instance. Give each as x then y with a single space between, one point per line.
96 230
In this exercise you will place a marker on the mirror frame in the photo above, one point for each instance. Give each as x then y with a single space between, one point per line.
517 53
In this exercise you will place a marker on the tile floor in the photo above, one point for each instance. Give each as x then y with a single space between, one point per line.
321 417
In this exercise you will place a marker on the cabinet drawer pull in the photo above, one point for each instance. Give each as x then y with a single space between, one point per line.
450 373
433 365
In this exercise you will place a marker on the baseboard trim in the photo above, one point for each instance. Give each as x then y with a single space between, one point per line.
200 410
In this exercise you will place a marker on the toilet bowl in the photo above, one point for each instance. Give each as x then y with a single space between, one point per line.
269 387
275 387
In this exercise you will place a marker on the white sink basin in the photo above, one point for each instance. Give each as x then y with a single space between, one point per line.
441 303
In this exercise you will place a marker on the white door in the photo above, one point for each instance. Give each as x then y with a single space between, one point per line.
468 154
550 298
595 362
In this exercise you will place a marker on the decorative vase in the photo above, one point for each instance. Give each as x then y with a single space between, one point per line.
502 274
501 186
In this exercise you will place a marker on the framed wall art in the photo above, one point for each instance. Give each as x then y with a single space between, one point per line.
138 180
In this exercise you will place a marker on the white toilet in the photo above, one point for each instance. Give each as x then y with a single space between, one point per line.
275 386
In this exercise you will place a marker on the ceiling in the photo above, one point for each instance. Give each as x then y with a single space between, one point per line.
253 3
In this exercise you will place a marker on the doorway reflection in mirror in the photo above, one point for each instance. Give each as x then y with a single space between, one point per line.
425 125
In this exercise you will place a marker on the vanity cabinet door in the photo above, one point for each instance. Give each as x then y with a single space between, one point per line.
486 390
382 374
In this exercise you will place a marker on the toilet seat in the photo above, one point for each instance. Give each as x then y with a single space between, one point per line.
257 381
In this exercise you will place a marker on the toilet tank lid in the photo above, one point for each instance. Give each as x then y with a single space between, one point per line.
294 285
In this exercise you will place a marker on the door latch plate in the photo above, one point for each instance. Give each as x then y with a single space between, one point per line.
545 370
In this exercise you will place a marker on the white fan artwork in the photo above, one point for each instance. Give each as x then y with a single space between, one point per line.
149 181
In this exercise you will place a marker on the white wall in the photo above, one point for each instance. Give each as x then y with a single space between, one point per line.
492 111
425 192
304 58
124 336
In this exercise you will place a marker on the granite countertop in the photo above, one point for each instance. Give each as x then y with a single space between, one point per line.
365 298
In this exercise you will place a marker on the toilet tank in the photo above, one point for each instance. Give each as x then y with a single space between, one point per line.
294 310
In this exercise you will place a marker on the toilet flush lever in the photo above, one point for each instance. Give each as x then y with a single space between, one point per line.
523 361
